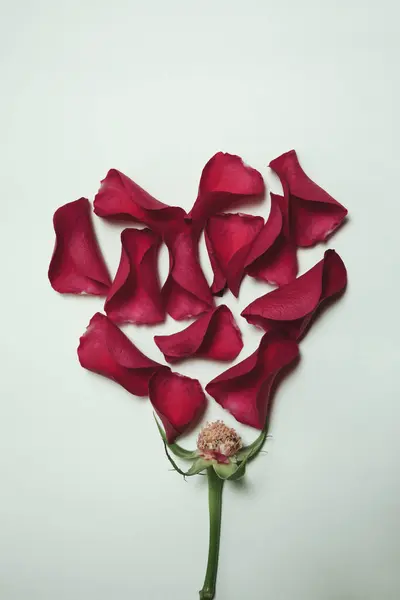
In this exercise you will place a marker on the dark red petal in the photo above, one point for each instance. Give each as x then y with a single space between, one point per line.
77 266
135 295
225 180
272 257
215 335
229 238
179 401
105 350
186 292
120 197
244 390
292 307
314 213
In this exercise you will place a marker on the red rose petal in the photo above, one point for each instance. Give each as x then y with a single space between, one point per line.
215 335
186 292
105 350
292 307
135 295
225 180
272 257
179 401
228 239
314 213
77 266
120 197
244 390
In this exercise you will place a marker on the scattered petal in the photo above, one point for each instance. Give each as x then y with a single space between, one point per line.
215 335
121 198
314 213
105 350
244 390
186 292
135 294
292 307
179 401
225 181
272 257
228 239
77 266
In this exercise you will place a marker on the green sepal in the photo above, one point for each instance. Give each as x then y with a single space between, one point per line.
175 448
251 451
239 473
225 471
199 465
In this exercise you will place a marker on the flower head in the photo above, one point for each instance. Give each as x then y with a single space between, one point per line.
219 442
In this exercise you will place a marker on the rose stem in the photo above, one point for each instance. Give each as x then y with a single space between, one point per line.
215 485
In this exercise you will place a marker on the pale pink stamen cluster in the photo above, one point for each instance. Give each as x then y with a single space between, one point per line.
217 438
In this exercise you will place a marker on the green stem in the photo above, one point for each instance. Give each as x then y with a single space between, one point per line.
215 485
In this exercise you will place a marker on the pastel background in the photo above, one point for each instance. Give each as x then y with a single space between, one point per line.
88 506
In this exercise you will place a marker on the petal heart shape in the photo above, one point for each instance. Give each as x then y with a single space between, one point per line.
314 213
121 198
135 294
272 257
292 307
186 292
77 266
229 238
244 389
105 350
215 335
179 401
225 181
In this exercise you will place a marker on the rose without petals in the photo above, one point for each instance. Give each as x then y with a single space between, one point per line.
135 295
77 266
179 401
314 213
244 390
292 307
218 442
215 335
229 238
105 350
225 180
